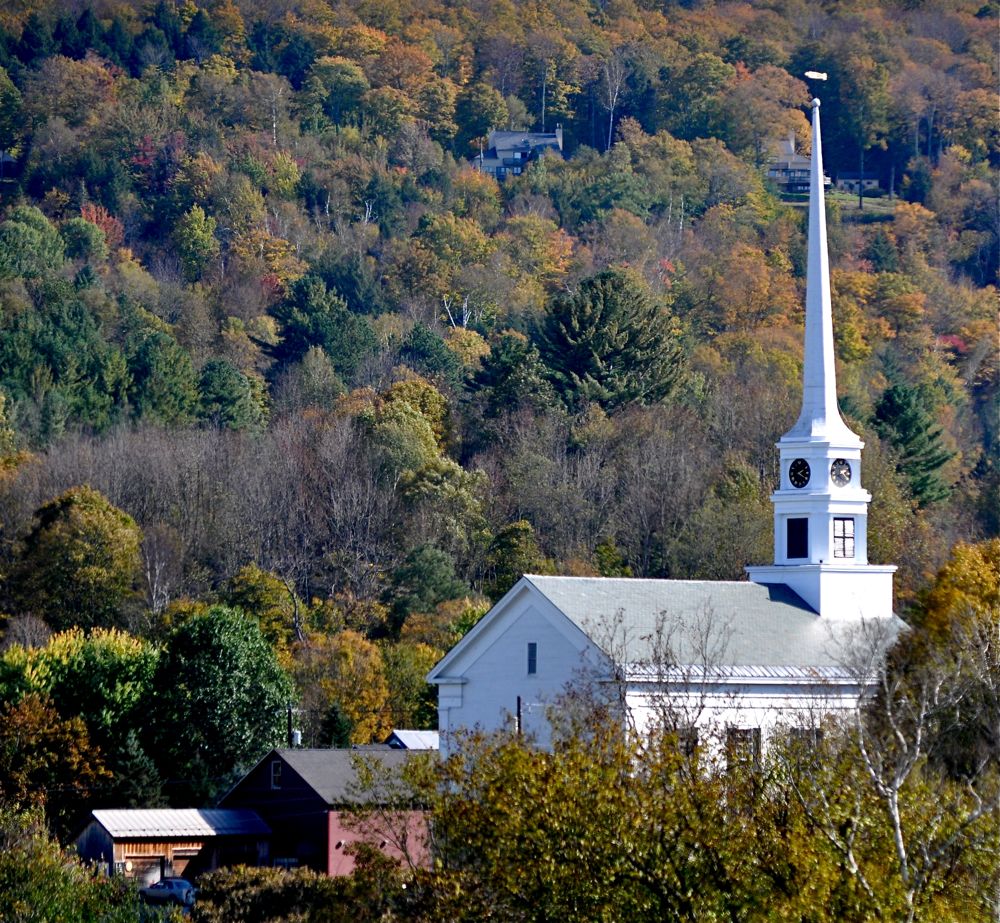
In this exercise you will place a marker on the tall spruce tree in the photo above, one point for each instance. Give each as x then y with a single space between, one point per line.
902 419
312 315
611 342
512 376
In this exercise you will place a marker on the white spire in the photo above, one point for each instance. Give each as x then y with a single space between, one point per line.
820 506
820 416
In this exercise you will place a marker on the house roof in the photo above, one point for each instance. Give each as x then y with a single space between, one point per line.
717 624
727 630
526 139
184 822
333 774
414 740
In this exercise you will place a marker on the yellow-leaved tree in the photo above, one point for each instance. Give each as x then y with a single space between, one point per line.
80 563
345 697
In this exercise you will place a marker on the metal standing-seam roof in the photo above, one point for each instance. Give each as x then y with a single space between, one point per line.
163 823
405 739
723 624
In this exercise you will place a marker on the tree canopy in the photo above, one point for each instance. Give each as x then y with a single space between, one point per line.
227 705
80 562
612 343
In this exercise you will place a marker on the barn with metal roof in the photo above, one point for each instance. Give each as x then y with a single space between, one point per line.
149 844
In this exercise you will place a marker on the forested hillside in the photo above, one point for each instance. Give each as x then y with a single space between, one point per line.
269 345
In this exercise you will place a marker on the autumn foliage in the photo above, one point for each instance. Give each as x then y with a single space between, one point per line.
282 372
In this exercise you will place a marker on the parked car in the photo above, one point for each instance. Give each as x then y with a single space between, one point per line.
169 891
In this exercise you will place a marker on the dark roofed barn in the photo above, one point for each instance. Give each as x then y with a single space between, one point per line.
306 796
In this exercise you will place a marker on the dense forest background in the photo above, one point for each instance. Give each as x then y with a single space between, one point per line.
269 347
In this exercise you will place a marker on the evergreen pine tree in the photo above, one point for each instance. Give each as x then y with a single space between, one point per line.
881 251
36 40
119 42
424 350
335 729
137 780
902 419
512 376
611 342
311 315
228 397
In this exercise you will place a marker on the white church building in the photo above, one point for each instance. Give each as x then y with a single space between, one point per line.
734 657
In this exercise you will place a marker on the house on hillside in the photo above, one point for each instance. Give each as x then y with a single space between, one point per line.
308 799
509 152
790 171
738 659
8 164
150 844
849 182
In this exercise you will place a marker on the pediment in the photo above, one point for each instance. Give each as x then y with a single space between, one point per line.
522 601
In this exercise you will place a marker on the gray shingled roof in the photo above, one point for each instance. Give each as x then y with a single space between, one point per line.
333 774
524 138
184 822
703 623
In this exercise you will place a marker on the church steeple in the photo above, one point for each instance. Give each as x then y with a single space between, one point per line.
820 507
820 416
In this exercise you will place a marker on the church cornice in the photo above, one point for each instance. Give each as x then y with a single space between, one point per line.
848 442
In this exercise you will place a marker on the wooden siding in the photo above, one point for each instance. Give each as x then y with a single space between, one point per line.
148 860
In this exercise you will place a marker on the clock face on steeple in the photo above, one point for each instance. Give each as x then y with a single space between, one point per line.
840 472
798 472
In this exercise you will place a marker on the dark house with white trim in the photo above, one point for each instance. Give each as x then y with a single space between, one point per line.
509 152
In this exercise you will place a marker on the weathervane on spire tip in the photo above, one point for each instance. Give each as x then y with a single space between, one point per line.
815 75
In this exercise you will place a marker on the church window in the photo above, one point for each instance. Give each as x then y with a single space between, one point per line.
532 657
743 747
798 538
843 537
687 740
810 737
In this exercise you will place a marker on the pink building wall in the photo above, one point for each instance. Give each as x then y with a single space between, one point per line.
401 835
